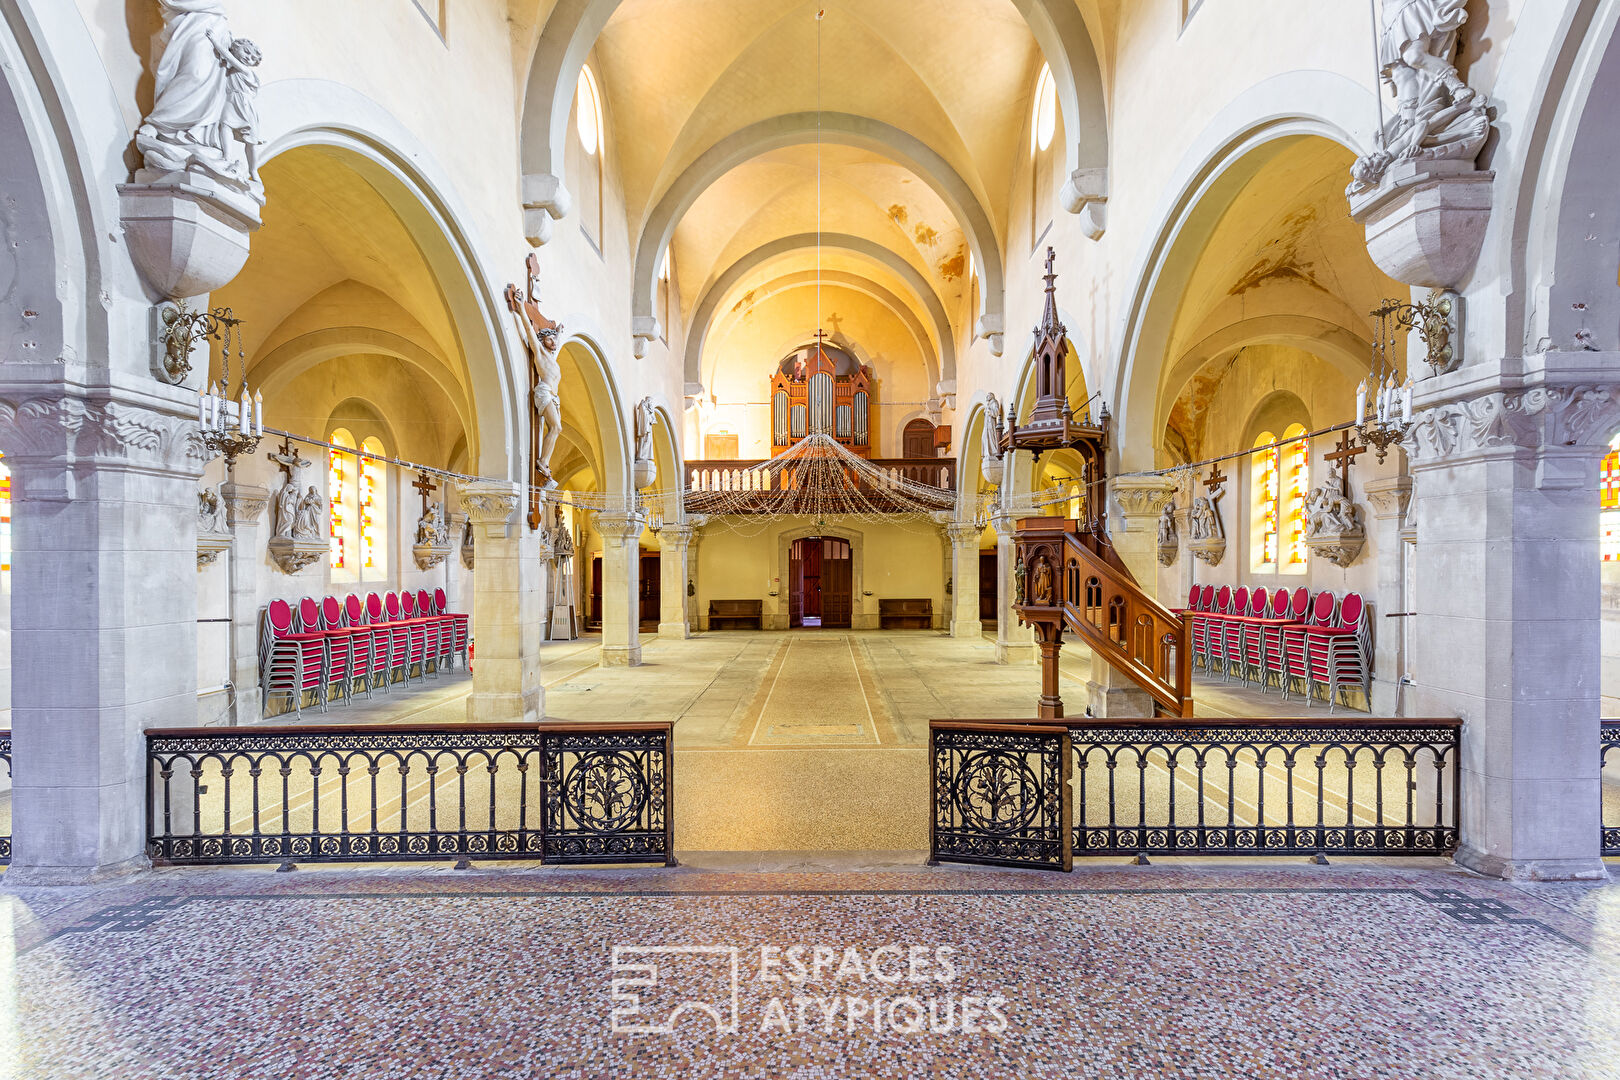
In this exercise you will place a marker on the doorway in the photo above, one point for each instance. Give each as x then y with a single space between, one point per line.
651 591
989 570
820 583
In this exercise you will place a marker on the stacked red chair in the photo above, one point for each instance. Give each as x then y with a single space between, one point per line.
291 661
377 655
1285 612
1217 629
1232 632
1296 651
1337 654
339 654
359 639
1254 660
439 631
1201 615
415 631
461 624
397 635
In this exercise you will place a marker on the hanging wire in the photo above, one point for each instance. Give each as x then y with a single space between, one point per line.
821 13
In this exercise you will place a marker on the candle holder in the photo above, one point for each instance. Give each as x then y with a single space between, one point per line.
230 428
1384 416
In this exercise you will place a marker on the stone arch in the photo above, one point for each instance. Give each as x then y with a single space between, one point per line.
843 129
671 479
571 30
715 292
1248 133
370 140
608 408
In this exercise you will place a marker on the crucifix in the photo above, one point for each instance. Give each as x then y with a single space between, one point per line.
424 484
1345 455
1215 480
289 460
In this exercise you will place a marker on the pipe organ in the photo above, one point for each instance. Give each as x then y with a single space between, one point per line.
822 389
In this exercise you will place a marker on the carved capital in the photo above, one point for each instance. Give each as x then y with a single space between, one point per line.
675 537
963 533
1537 419
293 555
1141 499
620 528
244 503
51 437
490 503
1389 497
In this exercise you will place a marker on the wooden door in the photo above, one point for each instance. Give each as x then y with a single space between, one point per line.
918 439
837 573
811 585
596 591
987 586
795 584
651 588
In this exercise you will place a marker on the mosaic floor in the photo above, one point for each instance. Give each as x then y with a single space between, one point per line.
1196 970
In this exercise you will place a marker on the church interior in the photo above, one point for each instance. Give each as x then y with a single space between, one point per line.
769 537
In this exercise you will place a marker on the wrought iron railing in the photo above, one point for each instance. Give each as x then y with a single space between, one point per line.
1609 742
5 804
554 792
1209 787
1000 794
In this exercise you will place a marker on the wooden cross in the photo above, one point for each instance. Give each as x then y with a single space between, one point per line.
1215 479
426 486
1345 454
289 460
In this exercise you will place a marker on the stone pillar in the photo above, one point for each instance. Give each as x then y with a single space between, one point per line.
964 598
673 572
244 505
694 611
621 588
104 610
1133 527
1504 457
1014 642
452 563
1388 498
508 595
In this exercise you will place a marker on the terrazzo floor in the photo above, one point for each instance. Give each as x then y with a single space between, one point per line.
1357 970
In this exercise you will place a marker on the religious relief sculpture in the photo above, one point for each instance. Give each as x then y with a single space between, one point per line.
1019 574
298 535
991 463
213 531
467 553
540 337
1208 541
1041 582
646 469
1333 527
205 99
1168 542
1438 116
432 537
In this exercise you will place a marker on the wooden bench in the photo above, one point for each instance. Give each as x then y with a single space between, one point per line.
910 614
736 614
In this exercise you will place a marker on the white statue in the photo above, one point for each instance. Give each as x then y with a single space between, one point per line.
1437 115
211 512
1167 526
540 336
645 414
307 517
287 507
431 528
993 420
205 98
1206 522
1328 511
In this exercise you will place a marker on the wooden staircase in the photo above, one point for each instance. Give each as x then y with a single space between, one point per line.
1074 580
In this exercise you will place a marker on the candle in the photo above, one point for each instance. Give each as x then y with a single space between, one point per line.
258 412
247 411
1361 401
1406 402
202 410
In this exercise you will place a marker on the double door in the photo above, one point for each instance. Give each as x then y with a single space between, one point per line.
820 582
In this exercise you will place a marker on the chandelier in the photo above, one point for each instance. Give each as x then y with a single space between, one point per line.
232 424
1383 406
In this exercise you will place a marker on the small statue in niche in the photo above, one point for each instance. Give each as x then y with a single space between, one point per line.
993 420
1168 541
1018 581
431 529
210 512
287 508
1328 511
645 414
307 517
1043 581
1206 523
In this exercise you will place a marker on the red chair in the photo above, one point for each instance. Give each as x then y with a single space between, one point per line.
1217 629
437 630
1338 655
339 649
460 622
361 640
1252 627
1283 615
290 662
444 628
397 633
1296 651
377 659
414 636
1232 633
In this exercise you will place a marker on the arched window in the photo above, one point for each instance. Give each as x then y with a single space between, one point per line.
1264 483
357 492
1608 499
1296 481
1043 127
590 134
1280 478
665 291
5 527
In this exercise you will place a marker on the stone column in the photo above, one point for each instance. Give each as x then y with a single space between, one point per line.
964 536
244 505
1504 457
452 563
673 572
694 611
508 594
621 588
1014 643
1388 498
1133 526
104 610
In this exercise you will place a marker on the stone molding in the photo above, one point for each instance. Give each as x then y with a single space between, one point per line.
57 433
1141 498
244 503
1537 418
1389 497
1339 548
293 555
490 503
619 527
1211 550
429 555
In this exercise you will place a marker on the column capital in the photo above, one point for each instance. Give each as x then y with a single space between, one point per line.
619 526
1389 497
676 536
490 502
53 435
244 503
964 532
1141 499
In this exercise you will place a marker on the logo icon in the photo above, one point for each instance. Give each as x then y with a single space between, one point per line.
652 985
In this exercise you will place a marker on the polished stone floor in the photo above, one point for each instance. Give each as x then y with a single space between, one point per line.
1177 970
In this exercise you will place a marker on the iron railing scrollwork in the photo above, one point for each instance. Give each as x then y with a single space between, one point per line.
444 791
1000 794
5 834
1170 787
